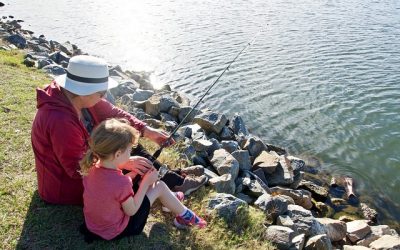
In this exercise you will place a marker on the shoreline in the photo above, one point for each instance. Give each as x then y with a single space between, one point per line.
164 107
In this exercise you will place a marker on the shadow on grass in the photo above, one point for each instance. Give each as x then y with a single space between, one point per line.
57 227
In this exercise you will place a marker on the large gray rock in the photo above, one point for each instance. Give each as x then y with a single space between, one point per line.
142 95
300 197
273 206
376 233
201 144
243 157
230 146
253 187
386 242
211 121
160 103
223 184
18 40
255 146
280 236
319 242
304 221
283 174
266 161
298 242
226 133
335 229
238 126
185 110
225 163
357 230
349 247
318 192
225 205
54 69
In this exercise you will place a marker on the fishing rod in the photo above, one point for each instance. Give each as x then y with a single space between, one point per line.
158 152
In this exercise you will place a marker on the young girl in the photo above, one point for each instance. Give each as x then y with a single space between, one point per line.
112 208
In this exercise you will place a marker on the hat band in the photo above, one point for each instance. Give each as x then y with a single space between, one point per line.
86 79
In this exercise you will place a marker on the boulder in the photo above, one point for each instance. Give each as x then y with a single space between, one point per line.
335 229
243 157
238 126
18 40
225 205
357 230
54 69
255 146
349 247
298 242
140 94
225 163
304 221
201 144
376 233
229 146
300 197
319 193
223 184
319 242
280 236
266 161
273 206
227 133
185 110
369 213
211 121
386 242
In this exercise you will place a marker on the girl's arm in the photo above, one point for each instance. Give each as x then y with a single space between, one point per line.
132 204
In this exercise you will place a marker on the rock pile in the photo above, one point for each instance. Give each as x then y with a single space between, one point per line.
243 169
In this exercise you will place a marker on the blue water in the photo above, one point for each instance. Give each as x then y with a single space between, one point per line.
323 79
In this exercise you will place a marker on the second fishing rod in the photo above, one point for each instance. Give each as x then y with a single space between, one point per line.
167 142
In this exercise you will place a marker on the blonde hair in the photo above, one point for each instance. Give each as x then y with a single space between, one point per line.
106 139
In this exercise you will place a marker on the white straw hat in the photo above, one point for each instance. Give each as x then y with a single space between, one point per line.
86 75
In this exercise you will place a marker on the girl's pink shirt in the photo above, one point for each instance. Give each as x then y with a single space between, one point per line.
104 191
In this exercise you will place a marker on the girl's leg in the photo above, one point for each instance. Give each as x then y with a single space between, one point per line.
160 190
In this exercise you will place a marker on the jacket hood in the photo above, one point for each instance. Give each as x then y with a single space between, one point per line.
51 97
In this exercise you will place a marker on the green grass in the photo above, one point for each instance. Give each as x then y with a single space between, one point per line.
27 222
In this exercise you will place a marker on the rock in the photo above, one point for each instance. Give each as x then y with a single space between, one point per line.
260 173
253 187
304 221
165 117
348 247
284 220
210 174
67 48
214 146
369 213
243 157
211 121
59 56
300 197
201 144
266 161
140 94
248 199
335 229
280 236
273 206
17 40
283 174
225 205
324 210
386 242
29 62
376 233
54 69
357 230
255 146
44 62
185 110
338 201
238 126
319 242
225 163
298 242
227 133
230 146
319 193
223 184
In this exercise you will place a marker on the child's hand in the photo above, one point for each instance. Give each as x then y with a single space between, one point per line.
150 177
137 164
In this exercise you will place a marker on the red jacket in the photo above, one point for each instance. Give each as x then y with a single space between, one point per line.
59 141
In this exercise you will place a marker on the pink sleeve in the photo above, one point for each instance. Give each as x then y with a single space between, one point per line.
104 110
125 188
68 141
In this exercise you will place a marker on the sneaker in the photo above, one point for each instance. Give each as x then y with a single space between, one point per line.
194 220
191 183
178 195
197 170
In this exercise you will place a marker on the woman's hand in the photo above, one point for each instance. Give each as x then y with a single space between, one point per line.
158 136
138 165
150 177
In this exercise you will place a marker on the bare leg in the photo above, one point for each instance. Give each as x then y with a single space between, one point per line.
160 190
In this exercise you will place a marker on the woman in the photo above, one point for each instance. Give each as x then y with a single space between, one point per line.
68 109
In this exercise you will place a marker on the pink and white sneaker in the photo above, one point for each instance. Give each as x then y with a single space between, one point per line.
193 220
179 195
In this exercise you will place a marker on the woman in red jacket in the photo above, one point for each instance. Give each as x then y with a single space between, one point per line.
68 109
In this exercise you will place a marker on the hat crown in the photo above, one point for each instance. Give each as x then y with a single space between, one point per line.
88 67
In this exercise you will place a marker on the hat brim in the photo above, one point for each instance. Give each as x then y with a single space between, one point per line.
83 88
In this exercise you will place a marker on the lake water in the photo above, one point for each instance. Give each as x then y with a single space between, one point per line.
322 79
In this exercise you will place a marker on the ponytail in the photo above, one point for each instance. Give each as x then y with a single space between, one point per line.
87 162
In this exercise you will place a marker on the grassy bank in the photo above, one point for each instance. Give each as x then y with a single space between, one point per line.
27 222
